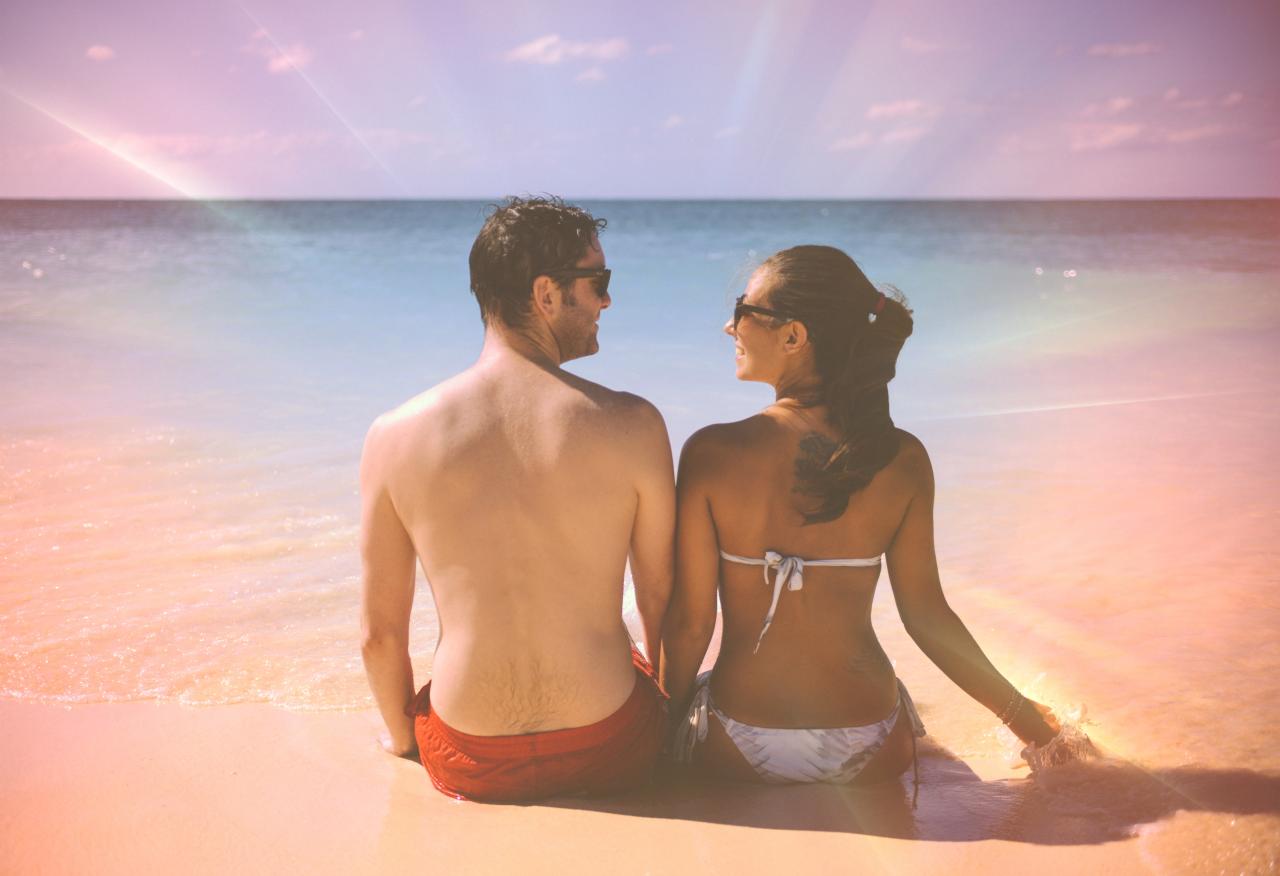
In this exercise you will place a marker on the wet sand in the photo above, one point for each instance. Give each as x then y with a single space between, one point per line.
146 787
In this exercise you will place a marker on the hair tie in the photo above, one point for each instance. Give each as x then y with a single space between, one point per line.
879 305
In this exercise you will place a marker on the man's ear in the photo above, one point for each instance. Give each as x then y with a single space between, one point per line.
546 296
797 337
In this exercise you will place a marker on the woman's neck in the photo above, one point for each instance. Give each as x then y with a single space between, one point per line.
804 392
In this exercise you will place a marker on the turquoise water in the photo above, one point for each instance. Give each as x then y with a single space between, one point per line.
298 315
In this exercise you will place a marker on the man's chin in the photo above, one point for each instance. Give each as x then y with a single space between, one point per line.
588 349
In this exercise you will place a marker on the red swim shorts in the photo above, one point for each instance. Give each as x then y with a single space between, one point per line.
614 754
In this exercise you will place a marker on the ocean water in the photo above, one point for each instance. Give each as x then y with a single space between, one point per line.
186 388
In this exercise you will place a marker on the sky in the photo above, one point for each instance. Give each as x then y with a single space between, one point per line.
714 99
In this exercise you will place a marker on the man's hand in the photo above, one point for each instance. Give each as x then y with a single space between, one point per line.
390 747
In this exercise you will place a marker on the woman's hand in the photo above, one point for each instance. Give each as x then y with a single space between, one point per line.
1035 722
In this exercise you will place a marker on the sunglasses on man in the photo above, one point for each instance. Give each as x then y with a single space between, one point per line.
741 309
599 276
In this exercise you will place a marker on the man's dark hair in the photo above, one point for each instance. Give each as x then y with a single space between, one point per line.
522 239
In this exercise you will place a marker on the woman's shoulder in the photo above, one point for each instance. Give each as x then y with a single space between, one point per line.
721 442
728 436
912 459
909 446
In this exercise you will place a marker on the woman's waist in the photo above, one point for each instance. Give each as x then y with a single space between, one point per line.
801 691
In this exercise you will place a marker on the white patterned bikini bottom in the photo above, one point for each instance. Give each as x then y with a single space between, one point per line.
778 755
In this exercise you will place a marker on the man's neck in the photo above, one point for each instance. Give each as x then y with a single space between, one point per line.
501 341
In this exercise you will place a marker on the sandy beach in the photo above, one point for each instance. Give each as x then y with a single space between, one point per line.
145 787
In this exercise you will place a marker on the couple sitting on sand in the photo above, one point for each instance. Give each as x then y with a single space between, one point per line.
524 489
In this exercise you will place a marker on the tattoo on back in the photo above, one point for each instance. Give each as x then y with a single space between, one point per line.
815 451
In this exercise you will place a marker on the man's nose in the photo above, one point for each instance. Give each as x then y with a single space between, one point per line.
729 330
605 301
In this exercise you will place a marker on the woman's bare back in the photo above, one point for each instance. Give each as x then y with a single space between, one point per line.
820 664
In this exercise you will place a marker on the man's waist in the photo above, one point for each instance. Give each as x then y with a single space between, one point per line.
521 690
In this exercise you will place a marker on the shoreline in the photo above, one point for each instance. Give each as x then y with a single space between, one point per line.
119 787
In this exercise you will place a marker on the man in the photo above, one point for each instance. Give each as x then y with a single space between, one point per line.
523 489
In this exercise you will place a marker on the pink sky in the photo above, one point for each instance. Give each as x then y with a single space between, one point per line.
744 99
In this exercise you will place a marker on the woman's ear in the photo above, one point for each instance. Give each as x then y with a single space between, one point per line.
797 337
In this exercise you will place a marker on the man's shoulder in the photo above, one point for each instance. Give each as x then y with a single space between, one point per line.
636 407
407 420
616 408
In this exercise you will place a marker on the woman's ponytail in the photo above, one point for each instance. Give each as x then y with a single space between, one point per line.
857 332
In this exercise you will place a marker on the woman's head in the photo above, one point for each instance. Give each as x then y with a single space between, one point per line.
813 320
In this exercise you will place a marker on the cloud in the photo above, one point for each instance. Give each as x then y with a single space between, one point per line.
417 101
551 49
1174 96
673 121
356 35
99 53
591 74
857 141
1187 135
726 133
191 146
1087 138
1114 106
904 135
1020 144
293 57
394 138
280 59
1123 50
920 47
1233 99
898 109
186 146
660 49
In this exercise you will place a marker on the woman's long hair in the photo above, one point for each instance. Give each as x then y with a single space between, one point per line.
856 354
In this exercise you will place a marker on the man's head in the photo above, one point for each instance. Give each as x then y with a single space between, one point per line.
534 259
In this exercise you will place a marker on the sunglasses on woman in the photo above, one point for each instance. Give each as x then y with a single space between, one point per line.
740 309
599 277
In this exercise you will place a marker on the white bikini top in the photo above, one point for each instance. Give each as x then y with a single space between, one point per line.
788 571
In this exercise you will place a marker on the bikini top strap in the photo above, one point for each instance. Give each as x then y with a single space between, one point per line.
788 571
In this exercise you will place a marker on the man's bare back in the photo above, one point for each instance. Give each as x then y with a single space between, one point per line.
518 486
523 490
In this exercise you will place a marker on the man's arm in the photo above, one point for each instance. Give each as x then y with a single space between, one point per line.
387 556
652 534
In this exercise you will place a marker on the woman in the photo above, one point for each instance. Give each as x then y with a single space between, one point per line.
811 492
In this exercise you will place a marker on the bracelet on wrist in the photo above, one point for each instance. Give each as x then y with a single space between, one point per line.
1011 711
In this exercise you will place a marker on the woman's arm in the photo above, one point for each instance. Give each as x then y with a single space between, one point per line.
691 616
929 620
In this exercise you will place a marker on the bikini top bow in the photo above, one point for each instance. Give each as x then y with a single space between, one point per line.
789 572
